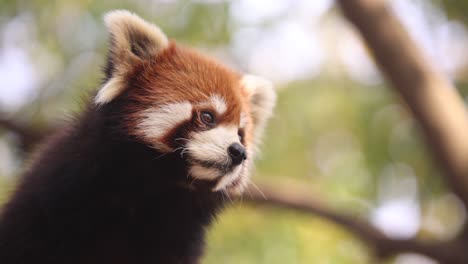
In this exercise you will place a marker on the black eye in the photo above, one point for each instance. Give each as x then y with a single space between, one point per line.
207 118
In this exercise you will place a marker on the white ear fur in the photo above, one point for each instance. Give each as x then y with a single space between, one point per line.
131 33
262 101
110 90
132 38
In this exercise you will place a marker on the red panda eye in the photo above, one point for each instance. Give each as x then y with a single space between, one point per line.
207 118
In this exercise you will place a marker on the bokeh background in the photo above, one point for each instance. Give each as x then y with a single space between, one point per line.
338 129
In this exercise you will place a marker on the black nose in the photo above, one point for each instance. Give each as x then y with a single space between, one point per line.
237 153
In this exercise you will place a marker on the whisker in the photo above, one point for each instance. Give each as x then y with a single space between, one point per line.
176 149
222 195
248 190
241 199
162 155
258 189
229 197
193 180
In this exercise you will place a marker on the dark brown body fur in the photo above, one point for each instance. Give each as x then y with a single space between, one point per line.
96 195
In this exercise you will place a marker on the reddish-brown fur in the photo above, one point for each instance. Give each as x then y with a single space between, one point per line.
181 74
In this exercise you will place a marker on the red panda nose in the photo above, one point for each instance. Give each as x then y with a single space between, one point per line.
237 153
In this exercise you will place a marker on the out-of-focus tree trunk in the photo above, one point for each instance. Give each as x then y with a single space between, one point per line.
432 98
434 102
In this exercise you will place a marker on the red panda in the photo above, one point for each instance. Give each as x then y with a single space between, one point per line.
139 176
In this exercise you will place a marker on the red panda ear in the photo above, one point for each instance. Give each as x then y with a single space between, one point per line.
131 39
262 101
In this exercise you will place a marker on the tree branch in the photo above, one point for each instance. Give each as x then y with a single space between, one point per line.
433 100
298 199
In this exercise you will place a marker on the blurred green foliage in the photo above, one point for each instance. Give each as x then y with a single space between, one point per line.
258 235
362 128
457 9
330 133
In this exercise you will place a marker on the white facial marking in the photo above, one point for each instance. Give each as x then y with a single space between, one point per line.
212 145
156 122
217 103
228 179
203 173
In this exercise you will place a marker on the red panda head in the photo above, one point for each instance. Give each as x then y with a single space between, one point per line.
180 100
